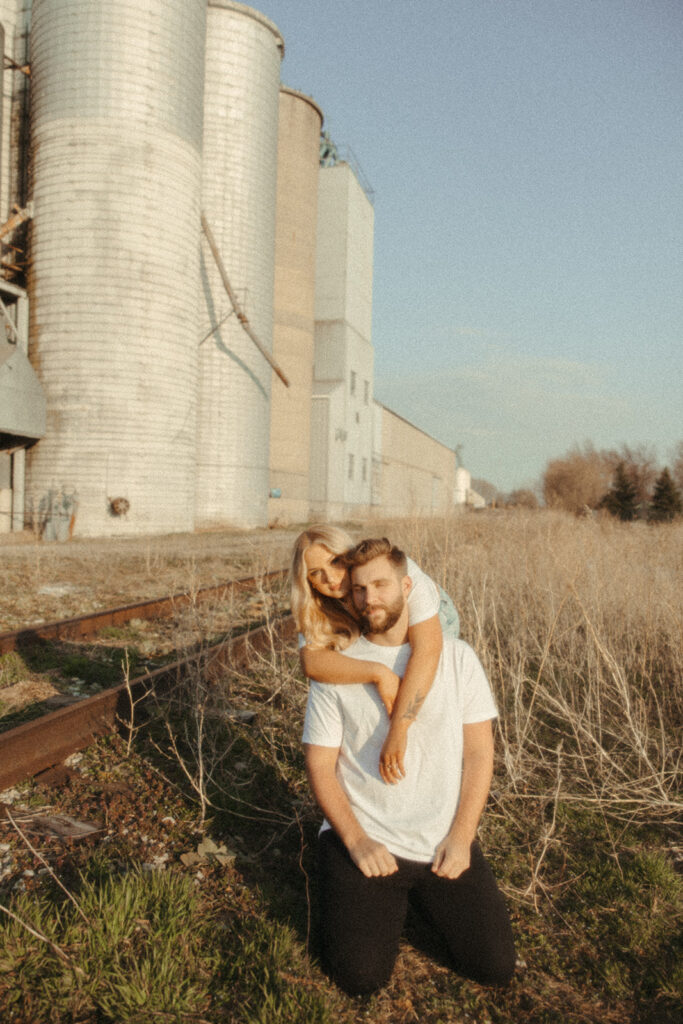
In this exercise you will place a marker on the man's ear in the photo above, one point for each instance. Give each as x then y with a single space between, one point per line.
407 586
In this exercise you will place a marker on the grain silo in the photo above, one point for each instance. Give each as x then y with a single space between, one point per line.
294 316
116 132
243 54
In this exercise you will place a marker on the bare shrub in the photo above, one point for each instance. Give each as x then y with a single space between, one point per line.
217 695
577 480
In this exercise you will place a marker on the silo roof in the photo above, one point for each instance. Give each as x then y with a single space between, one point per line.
249 12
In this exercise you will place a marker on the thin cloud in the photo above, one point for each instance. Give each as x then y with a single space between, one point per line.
513 412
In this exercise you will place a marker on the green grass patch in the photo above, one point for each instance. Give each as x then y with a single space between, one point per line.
139 954
151 947
12 669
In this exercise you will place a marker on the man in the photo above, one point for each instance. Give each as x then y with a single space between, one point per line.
381 844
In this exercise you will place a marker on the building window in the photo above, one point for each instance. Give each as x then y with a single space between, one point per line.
365 470
352 384
366 392
350 467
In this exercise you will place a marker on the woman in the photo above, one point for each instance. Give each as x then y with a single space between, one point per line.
325 616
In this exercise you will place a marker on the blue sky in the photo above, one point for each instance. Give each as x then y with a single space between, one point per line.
527 160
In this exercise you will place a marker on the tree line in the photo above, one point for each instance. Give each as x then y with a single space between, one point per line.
626 482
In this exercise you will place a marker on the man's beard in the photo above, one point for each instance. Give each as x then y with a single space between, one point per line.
382 623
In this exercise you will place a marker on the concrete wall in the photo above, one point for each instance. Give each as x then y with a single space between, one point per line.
415 474
345 250
300 121
343 370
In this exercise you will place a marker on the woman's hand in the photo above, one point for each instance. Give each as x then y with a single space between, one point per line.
391 766
387 683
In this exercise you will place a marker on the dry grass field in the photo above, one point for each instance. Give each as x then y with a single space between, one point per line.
579 626
43 582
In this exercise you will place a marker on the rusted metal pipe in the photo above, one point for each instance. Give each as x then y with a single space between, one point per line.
241 316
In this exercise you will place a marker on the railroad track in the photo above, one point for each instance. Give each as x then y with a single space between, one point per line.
158 608
38 745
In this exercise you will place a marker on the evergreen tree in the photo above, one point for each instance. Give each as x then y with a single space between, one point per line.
622 498
666 499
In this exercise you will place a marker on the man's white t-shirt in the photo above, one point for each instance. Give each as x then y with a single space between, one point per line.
413 816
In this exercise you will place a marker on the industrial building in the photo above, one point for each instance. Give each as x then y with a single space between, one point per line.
186 286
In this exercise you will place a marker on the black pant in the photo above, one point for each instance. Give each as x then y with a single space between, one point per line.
362 918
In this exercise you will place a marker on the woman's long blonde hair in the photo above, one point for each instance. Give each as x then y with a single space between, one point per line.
324 621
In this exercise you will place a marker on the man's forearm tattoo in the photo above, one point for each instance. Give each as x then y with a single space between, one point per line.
410 713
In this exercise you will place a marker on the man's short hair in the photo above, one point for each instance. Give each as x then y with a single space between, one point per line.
374 547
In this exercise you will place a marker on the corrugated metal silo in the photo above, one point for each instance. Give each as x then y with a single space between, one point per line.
294 319
116 123
243 54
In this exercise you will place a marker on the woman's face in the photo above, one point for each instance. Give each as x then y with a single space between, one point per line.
325 572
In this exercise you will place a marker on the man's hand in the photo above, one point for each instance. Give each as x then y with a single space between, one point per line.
452 857
387 683
391 759
372 858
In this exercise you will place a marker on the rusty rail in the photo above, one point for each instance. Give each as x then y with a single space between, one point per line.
155 608
35 746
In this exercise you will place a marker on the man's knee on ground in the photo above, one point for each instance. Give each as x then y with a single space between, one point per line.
497 971
358 976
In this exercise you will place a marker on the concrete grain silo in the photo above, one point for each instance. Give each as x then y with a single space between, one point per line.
294 319
243 54
116 133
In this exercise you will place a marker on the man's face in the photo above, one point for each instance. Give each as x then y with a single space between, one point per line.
379 594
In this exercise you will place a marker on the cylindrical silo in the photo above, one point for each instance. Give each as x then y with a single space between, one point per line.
243 54
116 133
298 163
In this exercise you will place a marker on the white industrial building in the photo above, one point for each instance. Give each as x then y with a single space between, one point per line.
169 237
341 452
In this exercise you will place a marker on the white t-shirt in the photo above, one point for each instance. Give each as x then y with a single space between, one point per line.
413 816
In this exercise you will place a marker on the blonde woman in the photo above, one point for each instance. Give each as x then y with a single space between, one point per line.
326 619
